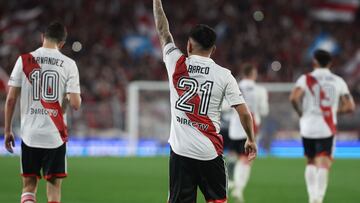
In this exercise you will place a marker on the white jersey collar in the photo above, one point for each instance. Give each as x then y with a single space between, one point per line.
48 49
321 70
248 81
201 58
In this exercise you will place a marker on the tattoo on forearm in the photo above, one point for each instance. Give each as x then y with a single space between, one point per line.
297 108
162 24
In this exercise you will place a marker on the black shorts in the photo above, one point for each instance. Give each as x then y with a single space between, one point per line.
318 147
238 146
187 174
52 162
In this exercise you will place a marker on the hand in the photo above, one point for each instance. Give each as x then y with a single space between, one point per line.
9 141
250 149
65 103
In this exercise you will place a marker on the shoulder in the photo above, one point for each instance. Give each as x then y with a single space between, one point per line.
339 80
337 77
222 70
302 77
68 63
67 59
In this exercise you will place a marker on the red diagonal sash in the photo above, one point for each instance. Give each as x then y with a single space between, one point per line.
210 132
326 110
29 65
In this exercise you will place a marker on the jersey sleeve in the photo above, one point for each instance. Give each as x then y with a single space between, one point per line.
73 81
171 55
233 94
301 82
344 89
16 75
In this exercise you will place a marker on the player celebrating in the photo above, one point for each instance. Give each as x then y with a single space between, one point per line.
46 81
257 99
197 88
323 95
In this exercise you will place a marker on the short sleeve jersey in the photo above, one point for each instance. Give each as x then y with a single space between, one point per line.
322 91
198 87
256 98
44 76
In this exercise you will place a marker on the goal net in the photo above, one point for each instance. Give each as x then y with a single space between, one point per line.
149 113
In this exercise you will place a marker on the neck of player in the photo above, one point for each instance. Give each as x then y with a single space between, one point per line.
49 44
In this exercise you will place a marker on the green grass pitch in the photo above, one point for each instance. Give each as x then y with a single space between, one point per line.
144 180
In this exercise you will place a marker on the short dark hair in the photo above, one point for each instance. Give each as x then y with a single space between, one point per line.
322 57
247 69
204 35
56 32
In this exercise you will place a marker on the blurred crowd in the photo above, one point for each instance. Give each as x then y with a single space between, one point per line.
274 35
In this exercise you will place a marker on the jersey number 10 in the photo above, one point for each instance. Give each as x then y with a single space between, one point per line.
45 85
190 86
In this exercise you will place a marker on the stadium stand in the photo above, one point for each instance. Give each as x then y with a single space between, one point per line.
114 42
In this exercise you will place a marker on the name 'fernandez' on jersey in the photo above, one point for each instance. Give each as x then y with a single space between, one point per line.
197 88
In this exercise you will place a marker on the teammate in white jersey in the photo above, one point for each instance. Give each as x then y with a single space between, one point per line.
256 98
47 81
323 95
197 88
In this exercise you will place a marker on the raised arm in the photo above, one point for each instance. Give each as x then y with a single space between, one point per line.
162 24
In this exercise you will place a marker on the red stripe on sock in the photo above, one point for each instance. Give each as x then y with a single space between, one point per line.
28 198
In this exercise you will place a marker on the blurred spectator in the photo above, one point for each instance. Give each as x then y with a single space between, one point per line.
253 31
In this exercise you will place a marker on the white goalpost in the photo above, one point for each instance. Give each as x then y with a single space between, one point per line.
148 104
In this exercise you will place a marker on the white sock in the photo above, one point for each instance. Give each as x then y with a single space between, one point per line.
241 175
322 176
311 181
28 197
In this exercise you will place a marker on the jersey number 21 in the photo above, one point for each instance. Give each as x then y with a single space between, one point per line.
191 86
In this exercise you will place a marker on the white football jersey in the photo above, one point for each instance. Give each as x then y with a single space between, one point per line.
256 98
320 102
44 76
197 89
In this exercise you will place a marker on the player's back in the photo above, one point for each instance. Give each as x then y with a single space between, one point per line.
256 98
197 88
322 91
45 76
257 101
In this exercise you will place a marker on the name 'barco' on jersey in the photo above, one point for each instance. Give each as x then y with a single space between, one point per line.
198 69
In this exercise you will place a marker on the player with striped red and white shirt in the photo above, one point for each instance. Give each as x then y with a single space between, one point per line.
198 87
47 81
323 95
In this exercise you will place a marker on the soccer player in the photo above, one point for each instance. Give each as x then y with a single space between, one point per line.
197 88
323 95
46 81
256 98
